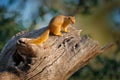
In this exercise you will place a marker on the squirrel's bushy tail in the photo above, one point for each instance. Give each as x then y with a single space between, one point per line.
41 38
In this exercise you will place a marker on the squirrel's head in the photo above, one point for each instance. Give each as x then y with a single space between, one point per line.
71 19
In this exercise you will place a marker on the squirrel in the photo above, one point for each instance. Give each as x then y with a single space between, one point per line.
57 24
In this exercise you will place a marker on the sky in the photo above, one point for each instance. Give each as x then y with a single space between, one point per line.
29 11
115 18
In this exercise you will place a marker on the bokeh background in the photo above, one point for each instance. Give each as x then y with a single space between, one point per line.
99 19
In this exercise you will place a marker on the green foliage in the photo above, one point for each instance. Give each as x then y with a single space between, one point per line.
6 32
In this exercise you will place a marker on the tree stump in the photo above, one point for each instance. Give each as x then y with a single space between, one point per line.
56 59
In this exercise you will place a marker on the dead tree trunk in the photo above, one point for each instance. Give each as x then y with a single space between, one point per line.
56 59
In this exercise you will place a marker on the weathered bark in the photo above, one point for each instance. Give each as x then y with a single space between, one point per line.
56 59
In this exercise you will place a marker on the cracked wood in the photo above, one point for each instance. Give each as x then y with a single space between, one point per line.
56 59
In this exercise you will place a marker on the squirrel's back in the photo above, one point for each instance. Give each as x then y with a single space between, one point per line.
57 20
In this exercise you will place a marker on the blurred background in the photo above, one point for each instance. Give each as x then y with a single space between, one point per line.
99 19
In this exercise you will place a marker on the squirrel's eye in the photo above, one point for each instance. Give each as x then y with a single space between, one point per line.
68 17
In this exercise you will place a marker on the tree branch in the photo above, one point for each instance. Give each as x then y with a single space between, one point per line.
56 59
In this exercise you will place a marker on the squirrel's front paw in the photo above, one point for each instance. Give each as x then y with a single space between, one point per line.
58 34
66 31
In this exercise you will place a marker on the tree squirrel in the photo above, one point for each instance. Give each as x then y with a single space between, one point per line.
57 24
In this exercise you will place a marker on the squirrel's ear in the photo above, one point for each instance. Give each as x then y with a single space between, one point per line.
72 19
